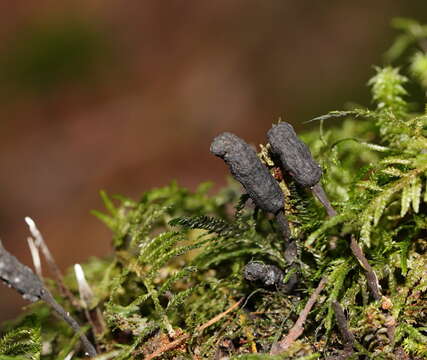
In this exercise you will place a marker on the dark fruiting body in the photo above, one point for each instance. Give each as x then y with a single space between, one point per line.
22 279
294 155
247 168
268 276
296 159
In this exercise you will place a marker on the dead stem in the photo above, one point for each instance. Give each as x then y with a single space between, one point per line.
298 327
199 329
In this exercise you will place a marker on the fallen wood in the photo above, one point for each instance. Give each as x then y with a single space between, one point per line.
172 345
298 327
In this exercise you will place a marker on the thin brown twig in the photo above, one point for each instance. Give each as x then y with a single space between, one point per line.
185 337
298 327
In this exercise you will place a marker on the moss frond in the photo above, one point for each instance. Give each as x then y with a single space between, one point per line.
21 343
178 256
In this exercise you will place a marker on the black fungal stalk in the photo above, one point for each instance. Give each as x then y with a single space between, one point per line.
247 168
295 158
319 192
22 279
346 334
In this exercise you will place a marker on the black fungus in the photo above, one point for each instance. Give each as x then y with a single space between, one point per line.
269 276
293 154
295 158
22 279
247 168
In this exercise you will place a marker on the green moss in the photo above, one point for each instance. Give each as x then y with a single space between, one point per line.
178 255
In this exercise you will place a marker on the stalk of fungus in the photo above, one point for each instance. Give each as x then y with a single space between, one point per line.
247 168
296 159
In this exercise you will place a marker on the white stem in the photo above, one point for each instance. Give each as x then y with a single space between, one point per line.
70 355
35 255
86 294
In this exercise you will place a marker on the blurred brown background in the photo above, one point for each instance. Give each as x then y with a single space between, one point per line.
127 95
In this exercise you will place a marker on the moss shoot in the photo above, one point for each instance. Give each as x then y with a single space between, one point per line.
174 286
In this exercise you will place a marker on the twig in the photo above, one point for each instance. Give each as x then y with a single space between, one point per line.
298 327
184 337
347 335
371 277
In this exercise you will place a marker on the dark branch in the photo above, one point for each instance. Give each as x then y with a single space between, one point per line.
298 327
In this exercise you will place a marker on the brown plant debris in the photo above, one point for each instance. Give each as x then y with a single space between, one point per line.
298 328
173 344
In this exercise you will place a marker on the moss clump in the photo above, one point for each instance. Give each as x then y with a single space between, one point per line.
174 285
